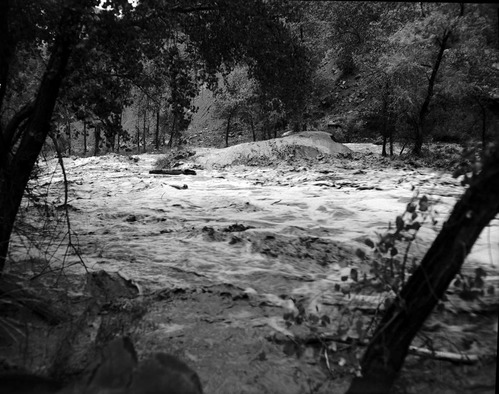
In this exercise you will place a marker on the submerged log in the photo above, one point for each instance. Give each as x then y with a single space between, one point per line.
185 171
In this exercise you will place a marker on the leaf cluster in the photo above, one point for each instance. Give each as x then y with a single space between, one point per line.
390 263
472 287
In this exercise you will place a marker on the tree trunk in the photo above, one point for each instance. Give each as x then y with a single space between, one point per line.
266 129
15 170
68 132
85 138
418 139
418 144
391 141
252 125
116 131
96 139
388 348
227 130
403 147
157 130
144 133
484 131
384 115
172 133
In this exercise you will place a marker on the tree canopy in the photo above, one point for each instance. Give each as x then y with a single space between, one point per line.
87 56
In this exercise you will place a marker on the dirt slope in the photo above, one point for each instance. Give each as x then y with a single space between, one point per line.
307 144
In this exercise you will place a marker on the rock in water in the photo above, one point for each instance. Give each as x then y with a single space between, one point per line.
21 383
165 374
115 371
119 373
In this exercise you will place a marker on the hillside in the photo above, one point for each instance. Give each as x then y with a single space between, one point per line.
337 107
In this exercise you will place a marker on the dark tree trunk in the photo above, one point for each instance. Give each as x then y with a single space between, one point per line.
156 142
118 143
403 148
266 129
15 169
84 138
227 130
418 139
418 144
68 132
120 129
391 141
116 129
384 115
484 129
388 348
173 129
96 140
144 132
252 125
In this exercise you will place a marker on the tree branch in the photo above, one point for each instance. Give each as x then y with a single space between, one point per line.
16 120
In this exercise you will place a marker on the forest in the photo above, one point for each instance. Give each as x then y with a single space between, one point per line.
259 196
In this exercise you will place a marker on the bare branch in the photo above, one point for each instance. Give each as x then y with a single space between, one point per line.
70 245
16 120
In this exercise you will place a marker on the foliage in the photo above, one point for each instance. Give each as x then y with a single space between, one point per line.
417 67
391 263
94 53
236 97
183 89
423 66
390 267
471 288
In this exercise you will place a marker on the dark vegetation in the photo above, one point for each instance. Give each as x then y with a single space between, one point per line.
401 74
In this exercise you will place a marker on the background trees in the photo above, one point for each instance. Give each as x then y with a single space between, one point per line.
236 99
97 54
410 60
428 80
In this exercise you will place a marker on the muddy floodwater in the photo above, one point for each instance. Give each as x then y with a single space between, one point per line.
231 250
